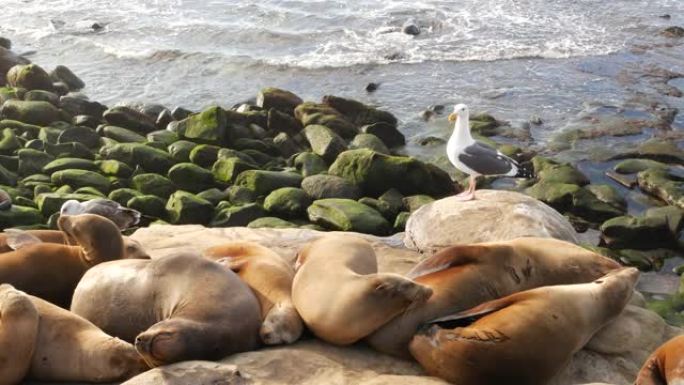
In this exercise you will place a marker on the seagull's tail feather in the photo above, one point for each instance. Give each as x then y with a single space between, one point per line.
525 170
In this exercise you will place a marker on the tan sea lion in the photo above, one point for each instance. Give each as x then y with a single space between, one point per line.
525 338
51 271
270 277
132 248
465 276
43 342
123 217
176 308
665 366
340 294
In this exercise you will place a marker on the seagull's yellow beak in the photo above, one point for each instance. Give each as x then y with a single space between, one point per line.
452 117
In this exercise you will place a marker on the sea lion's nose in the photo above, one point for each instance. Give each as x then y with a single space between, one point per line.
141 342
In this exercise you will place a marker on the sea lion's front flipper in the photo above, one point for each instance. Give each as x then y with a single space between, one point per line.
469 316
16 238
650 373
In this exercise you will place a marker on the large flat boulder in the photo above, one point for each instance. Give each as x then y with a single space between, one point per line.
493 216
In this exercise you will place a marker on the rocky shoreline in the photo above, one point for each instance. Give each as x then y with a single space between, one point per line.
281 162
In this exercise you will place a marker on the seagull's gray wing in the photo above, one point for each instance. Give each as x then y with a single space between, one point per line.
486 160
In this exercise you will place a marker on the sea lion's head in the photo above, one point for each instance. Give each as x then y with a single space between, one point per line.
133 249
98 236
174 340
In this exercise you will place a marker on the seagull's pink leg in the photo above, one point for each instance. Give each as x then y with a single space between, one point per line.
468 194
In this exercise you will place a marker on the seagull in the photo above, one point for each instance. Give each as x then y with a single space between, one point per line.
472 157
122 216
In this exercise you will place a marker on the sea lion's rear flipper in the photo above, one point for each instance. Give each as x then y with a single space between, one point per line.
16 239
650 373
446 259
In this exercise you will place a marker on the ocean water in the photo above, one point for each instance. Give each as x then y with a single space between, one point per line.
517 59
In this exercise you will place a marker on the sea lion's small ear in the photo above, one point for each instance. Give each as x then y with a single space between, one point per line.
17 239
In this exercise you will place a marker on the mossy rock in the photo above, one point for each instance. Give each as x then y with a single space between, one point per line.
255 144
657 182
65 75
122 135
68 163
263 182
185 208
238 215
414 202
662 150
50 134
32 161
114 167
360 113
204 155
81 178
9 142
19 216
84 135
670 309
23 201
239 195
66 189
69 150
312 113
271 222
387 133
137 154
330 186
550 171
400 221
191 177
180 150
347 215
308 163
586 205
394 198
608 194
376 173
289 202
633 166
42 96
213 195
641 233
277 121
11 163
50 203
674 216
380 206
89 191
153 184
227 170
28 131
370 142
129 118
123 195
163 136
148 205
10 93
29 77
557 195
281 100
209 126
324 141
38 113
225 153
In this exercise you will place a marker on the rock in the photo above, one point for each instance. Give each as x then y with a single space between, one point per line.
492 216
38 113
359 113
204 155
370 142
191 372
49 134
633 166
607 194
281 100
8 59
213 195
226 170
64 75
180 113
11 163
287 146
18 215
239 195
50 203
209 126
162 136
263 182
66 164
153 184
28 131
191 177
557 195
673 215
414 202
137 154
673 32
84 135
372 87
401 220
394 198
244 144
5 43
180 150
308 163
9 93
311 113
42 96
588 206
657 182
32 161
163 120
122 135
113 167
662 150
238 215
410 28
123 195
347 215
81 178
640 233
382 207
550 171
130 118
289 202
376 173
387 132
30 77
283 122
270 222
184 207
330 186
72 150
148 205
324 142
77 104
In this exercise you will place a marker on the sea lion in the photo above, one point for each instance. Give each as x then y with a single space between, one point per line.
122 216
50 270
132 248
339 293
525 338
665 366
43 342
175 308
465 276
270 277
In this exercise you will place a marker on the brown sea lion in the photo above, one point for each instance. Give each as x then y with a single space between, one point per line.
270 277
50 270
525 338
340 294
465 276
175 308
43 342
132 248
665 366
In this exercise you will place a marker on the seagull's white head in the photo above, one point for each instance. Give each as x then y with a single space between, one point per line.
459 110
71 207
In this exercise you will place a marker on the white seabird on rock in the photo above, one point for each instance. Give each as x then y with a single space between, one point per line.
472 157
122 216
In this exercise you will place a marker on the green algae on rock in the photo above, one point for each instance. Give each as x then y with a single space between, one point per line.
290 202
263 182
347 215
184 207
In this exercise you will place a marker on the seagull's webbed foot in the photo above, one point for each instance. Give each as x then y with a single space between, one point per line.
469 194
